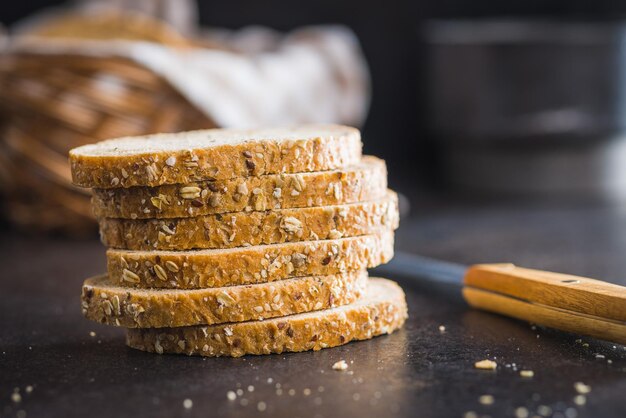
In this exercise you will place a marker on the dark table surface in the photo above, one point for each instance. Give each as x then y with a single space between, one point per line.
60 370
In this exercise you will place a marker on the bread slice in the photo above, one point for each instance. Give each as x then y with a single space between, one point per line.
186 157
196 269
106 302
382 310
239 229
364 181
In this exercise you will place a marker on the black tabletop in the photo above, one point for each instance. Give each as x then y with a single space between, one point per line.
54 363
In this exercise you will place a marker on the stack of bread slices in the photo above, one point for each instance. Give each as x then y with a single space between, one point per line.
233 242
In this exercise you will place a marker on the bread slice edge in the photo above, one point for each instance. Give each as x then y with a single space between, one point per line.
382 310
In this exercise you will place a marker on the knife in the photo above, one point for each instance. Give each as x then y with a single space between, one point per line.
569 303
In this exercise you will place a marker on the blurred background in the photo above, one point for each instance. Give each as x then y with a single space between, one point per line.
517 100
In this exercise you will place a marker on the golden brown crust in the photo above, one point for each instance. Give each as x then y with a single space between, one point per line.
362 182
340 148
252 228
312 331
108 303
247 265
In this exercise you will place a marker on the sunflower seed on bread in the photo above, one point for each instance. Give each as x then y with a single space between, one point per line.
381 310
360 182
195 269
239 229
108 303
180 158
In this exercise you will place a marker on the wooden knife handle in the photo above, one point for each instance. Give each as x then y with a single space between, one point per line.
571 303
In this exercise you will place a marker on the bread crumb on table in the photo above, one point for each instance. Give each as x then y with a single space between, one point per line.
486 399
527 373
582 388
187 403
486 365
521 412
16 397
340 365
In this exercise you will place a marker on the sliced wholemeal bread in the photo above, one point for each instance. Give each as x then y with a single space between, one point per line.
252 228
381 310
194 269
186 157
364 181
106 302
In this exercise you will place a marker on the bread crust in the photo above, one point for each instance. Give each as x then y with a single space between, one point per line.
336 147
331 328
239 229
108 303
361 182
196 269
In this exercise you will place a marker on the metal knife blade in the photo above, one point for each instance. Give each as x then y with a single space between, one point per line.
413 266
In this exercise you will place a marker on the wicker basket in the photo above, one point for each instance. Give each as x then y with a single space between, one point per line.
50 104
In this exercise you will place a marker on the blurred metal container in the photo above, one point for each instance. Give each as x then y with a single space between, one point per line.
530 108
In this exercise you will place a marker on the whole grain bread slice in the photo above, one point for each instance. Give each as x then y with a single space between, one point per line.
186 157
381 310
106 302
196 269
239 229
364 181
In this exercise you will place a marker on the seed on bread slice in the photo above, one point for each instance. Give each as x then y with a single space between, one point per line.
195 269
381 310
239 229
106 302
213 154
364 181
